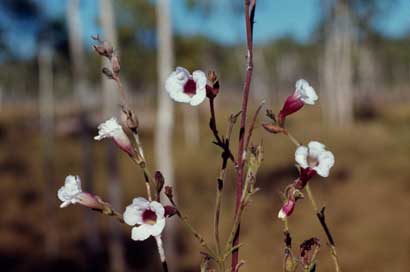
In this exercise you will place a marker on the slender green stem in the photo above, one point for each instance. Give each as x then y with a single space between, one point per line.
291 138
311 198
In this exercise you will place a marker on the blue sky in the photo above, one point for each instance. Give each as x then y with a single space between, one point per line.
274 19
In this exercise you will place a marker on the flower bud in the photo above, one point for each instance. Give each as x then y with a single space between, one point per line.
170 210
212 88
104 49
159 178
90 201
287 209
272 128
168 192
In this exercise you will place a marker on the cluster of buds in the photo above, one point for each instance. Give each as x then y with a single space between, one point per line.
105 49
308 251
303 94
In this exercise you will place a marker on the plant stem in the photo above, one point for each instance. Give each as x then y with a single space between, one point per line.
249 16
220 185
321 217
161 252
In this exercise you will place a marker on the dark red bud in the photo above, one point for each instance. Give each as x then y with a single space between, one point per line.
169 210
291 105
305 175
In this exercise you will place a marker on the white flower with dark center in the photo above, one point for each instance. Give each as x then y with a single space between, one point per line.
305 92
186 88
70 192
315 157
149 216
112 129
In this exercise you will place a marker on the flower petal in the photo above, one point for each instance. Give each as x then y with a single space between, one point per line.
306 92
140 202
158 227
158 209
315 149
326 161
199 97
301 156
200 79
141 233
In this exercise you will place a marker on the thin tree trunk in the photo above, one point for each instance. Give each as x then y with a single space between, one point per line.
261 78
80 92
110 108
46 108
191 127
165 117
337 69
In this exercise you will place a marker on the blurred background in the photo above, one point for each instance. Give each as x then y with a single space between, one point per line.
356 53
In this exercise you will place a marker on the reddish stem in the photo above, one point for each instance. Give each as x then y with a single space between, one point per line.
249 14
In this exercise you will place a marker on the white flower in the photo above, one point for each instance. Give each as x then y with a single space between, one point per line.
186 88
305 92
316 157
112 129
149 216
69 193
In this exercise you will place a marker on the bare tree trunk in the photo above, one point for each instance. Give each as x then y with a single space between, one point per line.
368 70
261 78
337 69
80 90
191 127
46 108
110 108
165 116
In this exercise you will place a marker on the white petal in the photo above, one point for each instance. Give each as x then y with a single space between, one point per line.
140 233
140 202
200 79
199 97
72 186
174 84
281 214
326 161
310 97
301 156
306 92
133 215
315 149
158 227
109 129
158 209
180 97
65 204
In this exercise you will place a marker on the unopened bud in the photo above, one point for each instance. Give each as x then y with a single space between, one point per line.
272 128
212 88
108 73
159 178
169 210
104 49
308 250
168 192
115 65
129 119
